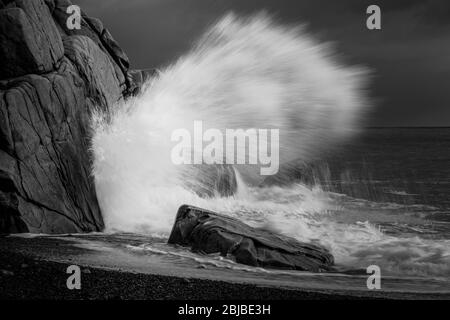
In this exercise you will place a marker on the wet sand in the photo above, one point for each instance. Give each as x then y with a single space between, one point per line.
35 268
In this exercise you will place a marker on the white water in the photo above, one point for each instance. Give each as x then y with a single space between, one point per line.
247 73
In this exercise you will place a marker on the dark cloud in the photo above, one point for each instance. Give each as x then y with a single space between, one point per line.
410 56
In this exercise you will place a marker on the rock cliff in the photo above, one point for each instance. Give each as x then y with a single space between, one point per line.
51 79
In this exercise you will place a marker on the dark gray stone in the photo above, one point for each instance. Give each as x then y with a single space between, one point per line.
95 68
208 232
50 81
29 39
94 29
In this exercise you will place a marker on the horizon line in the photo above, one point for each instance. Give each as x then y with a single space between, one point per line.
407 127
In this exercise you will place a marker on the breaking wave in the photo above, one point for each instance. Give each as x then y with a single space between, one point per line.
248 73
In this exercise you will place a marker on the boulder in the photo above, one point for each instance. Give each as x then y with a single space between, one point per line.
51 79
208 232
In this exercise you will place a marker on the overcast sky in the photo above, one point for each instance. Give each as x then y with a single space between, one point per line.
410 56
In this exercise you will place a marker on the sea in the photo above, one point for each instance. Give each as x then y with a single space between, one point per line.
375 197
382 200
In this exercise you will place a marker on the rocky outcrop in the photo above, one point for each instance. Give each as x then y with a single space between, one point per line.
208 232
139 77
51 79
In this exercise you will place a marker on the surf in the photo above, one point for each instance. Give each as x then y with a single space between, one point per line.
246 73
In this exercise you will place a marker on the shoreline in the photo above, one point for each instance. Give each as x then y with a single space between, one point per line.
32 279
35 268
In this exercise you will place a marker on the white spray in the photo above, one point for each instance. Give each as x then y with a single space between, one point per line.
243 73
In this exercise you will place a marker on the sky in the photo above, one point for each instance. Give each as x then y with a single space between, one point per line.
409 57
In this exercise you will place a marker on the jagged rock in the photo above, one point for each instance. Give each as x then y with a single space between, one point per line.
94 67
51 79
93 29
208 232
139 77
29 40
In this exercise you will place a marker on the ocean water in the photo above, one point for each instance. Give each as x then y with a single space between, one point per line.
401 165
371 196
405 169
381 199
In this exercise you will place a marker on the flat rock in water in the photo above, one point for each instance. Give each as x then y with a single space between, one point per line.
208 232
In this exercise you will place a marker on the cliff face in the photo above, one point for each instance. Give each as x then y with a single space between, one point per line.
51 78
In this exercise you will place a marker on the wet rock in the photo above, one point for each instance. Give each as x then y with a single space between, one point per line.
93 28
51 79
208 232
139 77
95 68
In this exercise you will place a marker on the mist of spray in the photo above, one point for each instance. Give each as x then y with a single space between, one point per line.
243 73
247 73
